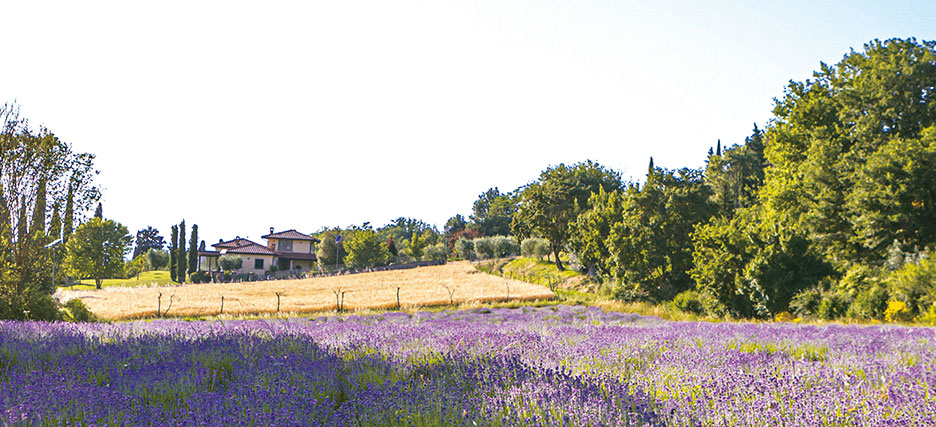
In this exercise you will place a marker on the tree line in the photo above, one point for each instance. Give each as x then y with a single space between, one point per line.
828 211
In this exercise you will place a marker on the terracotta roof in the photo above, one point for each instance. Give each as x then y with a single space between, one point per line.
291 235
243 246
297 256
236 243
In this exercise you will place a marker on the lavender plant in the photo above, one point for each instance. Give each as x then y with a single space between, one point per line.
555 366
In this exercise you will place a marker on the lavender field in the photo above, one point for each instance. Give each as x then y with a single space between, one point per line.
556 366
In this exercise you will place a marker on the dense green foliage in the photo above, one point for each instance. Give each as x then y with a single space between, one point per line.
549 205
97 250
146 239
156 259
230 262
493 212
366 249
38 174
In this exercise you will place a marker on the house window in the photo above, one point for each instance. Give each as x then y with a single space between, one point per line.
285 245
258 264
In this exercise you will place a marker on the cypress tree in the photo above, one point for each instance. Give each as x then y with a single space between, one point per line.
173 244
193 250
181 256
99 212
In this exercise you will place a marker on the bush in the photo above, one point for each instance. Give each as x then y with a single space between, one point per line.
504 246
806 303
689 301
76 311
629 293
534 247
465 249
897 311
435 252
913 284
199 277
156 259
230 262
870 303
484 247
833 305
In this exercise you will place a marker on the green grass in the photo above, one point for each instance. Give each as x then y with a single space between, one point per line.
531 270
147 278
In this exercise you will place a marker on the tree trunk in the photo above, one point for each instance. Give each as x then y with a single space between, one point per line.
558 261
97 282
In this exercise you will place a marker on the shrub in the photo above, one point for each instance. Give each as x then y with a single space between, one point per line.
199 277
504 246
534 247
689 301
629 293
156 259
76 311
928 318
230 262
833 305
435 252
484 247
913 284
870 303
806 302
897 311
465 249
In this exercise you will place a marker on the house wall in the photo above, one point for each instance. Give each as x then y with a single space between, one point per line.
248 265
300 246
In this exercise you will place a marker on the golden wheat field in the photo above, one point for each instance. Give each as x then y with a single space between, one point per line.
423 286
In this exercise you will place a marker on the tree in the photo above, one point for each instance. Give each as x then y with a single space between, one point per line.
465 249
639 236
156 259
366 249
174 253
135 266
417 244
146 239
181 255
193 250
455 224
99 212
391 248
326 252
97 250
36 170
550 204
230 262
823 141
752 267
736 176
493 212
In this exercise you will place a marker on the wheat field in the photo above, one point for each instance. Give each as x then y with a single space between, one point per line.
419 287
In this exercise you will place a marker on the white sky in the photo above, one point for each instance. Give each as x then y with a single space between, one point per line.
239 116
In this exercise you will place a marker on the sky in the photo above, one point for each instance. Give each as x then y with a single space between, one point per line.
241 116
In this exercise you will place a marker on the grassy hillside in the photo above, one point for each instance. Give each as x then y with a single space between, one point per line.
531 270
148 278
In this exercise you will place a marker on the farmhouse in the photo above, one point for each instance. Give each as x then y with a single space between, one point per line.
287 250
